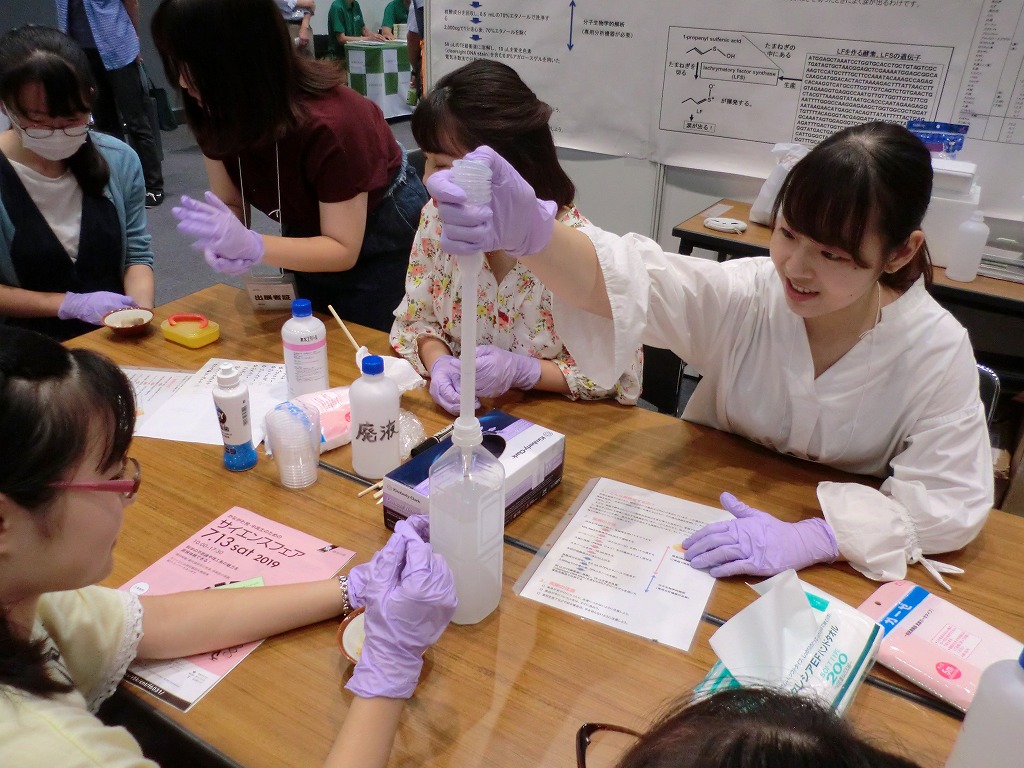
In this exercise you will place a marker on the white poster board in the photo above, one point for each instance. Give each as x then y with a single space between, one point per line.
712 86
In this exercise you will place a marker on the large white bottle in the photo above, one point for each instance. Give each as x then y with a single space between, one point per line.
966 255
305 351
990 735
373 402
231 398
467 522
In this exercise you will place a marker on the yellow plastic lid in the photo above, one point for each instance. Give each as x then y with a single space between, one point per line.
190 330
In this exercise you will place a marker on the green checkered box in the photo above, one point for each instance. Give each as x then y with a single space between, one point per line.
380 71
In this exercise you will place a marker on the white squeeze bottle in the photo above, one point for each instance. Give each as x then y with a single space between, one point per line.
373 403
990 735
305 350
231 398
467 484
965 259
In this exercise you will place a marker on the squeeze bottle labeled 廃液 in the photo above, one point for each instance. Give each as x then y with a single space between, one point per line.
374 403
231 398
305 350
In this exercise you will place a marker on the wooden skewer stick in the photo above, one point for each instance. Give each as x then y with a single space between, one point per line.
379 494
344 328
375 487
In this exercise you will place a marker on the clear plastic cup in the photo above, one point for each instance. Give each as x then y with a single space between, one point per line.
293 439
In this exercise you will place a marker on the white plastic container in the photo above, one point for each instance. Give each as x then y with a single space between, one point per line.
467 523
990 735
970 242
946 212
373 400
231 398
305 350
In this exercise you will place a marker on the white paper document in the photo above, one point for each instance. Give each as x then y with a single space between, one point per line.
176 405
619 561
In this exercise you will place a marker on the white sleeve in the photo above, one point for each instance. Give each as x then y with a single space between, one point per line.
937 497
686 304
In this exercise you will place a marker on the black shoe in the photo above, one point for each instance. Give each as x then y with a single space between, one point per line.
153 199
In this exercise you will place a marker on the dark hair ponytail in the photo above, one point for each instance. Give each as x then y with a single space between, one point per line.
34 54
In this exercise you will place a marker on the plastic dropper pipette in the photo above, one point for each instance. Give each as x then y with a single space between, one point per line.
467 483
475 180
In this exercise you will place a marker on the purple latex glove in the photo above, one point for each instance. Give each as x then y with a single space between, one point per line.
445 379
515 221
498 371
409 601
414 528
758 543
227 245
91 307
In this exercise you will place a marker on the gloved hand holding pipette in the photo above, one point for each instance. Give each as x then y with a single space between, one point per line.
409 596
514 220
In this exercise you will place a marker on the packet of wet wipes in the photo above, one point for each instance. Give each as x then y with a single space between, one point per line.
797 638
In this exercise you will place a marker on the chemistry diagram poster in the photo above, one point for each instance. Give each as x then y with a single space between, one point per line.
713 86
239 549
618 560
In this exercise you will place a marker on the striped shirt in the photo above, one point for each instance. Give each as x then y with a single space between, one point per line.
113 34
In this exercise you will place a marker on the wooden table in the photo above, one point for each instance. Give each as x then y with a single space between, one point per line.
693 234
513 689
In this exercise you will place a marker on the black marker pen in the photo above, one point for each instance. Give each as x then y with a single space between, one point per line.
434 439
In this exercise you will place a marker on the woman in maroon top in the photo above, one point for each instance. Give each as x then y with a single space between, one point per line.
280 133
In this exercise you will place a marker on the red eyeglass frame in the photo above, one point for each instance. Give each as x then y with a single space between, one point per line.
127 488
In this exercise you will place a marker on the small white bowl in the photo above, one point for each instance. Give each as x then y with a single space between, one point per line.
132 321
351 635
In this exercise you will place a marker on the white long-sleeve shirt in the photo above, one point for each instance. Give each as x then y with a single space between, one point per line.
903 404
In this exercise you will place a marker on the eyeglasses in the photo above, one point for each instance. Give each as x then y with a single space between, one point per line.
123 485
40 132
600 745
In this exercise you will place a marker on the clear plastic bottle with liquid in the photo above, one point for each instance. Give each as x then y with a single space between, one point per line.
467 523
990 735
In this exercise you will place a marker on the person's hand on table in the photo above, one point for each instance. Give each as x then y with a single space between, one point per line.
409 596
445 383
498 371
759 544
514 221
227 245
91 307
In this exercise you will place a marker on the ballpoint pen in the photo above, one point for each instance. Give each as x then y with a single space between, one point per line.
434 439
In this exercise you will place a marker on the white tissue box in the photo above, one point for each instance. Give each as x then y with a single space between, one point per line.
946 212
952 175
533 458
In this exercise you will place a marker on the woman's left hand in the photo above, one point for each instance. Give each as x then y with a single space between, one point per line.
227 245
759 544
498 371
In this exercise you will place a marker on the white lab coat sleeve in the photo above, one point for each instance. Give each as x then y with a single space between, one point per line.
681 303
939 492
603 347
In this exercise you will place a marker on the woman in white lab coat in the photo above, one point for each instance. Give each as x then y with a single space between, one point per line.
830 350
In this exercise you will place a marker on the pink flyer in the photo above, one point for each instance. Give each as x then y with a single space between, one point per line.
239 549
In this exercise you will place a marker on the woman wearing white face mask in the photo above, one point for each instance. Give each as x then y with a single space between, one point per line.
73 240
